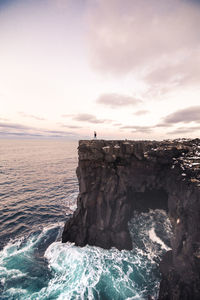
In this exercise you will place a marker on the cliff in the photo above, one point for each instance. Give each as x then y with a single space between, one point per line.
118 177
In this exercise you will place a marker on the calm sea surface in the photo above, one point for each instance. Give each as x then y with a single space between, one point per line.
38 191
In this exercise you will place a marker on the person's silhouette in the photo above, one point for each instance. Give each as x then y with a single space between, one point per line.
95 134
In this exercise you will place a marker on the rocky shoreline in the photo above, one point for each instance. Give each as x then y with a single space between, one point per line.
118 177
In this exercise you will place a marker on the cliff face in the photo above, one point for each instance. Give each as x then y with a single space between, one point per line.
118 177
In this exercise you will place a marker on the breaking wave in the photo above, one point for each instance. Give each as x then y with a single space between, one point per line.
39 266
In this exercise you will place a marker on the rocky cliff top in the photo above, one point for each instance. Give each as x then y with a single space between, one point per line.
183 154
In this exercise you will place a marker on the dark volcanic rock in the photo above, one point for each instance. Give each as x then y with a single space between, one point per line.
118 177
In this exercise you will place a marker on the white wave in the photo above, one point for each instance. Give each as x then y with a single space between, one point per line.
79 271
156 239
144 239
88 272
17 293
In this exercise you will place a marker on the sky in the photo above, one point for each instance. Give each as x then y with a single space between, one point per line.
127 69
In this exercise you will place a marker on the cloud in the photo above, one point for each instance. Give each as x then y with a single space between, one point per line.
123 37
180 72
13 126
14 129
141 112
71 126
117 100
117 124
19 134
185 130
31 116
3 119
186 115
59 132
136 128
160 125
89 118
158 42
84 117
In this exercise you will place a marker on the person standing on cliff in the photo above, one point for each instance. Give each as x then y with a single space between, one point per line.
95 135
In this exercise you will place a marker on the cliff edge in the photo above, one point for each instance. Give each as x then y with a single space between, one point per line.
118 177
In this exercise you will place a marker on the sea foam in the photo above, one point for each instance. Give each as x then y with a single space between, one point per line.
39 266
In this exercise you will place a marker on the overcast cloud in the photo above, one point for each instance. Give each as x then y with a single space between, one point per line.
14 129
141 112
123 37
135 128
100 65
157 41
186 115
116 100
89 118
31 116
185 130
71 126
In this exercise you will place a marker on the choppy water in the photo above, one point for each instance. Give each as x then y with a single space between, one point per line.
38 190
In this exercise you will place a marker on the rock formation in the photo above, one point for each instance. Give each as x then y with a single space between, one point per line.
118 177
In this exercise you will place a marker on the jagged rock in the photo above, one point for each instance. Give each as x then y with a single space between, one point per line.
118 177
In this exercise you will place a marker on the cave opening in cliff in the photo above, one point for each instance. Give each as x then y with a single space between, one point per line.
155 198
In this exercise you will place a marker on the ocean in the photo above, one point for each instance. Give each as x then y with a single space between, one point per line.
38 192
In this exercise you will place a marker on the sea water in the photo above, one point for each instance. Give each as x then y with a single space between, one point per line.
38 191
